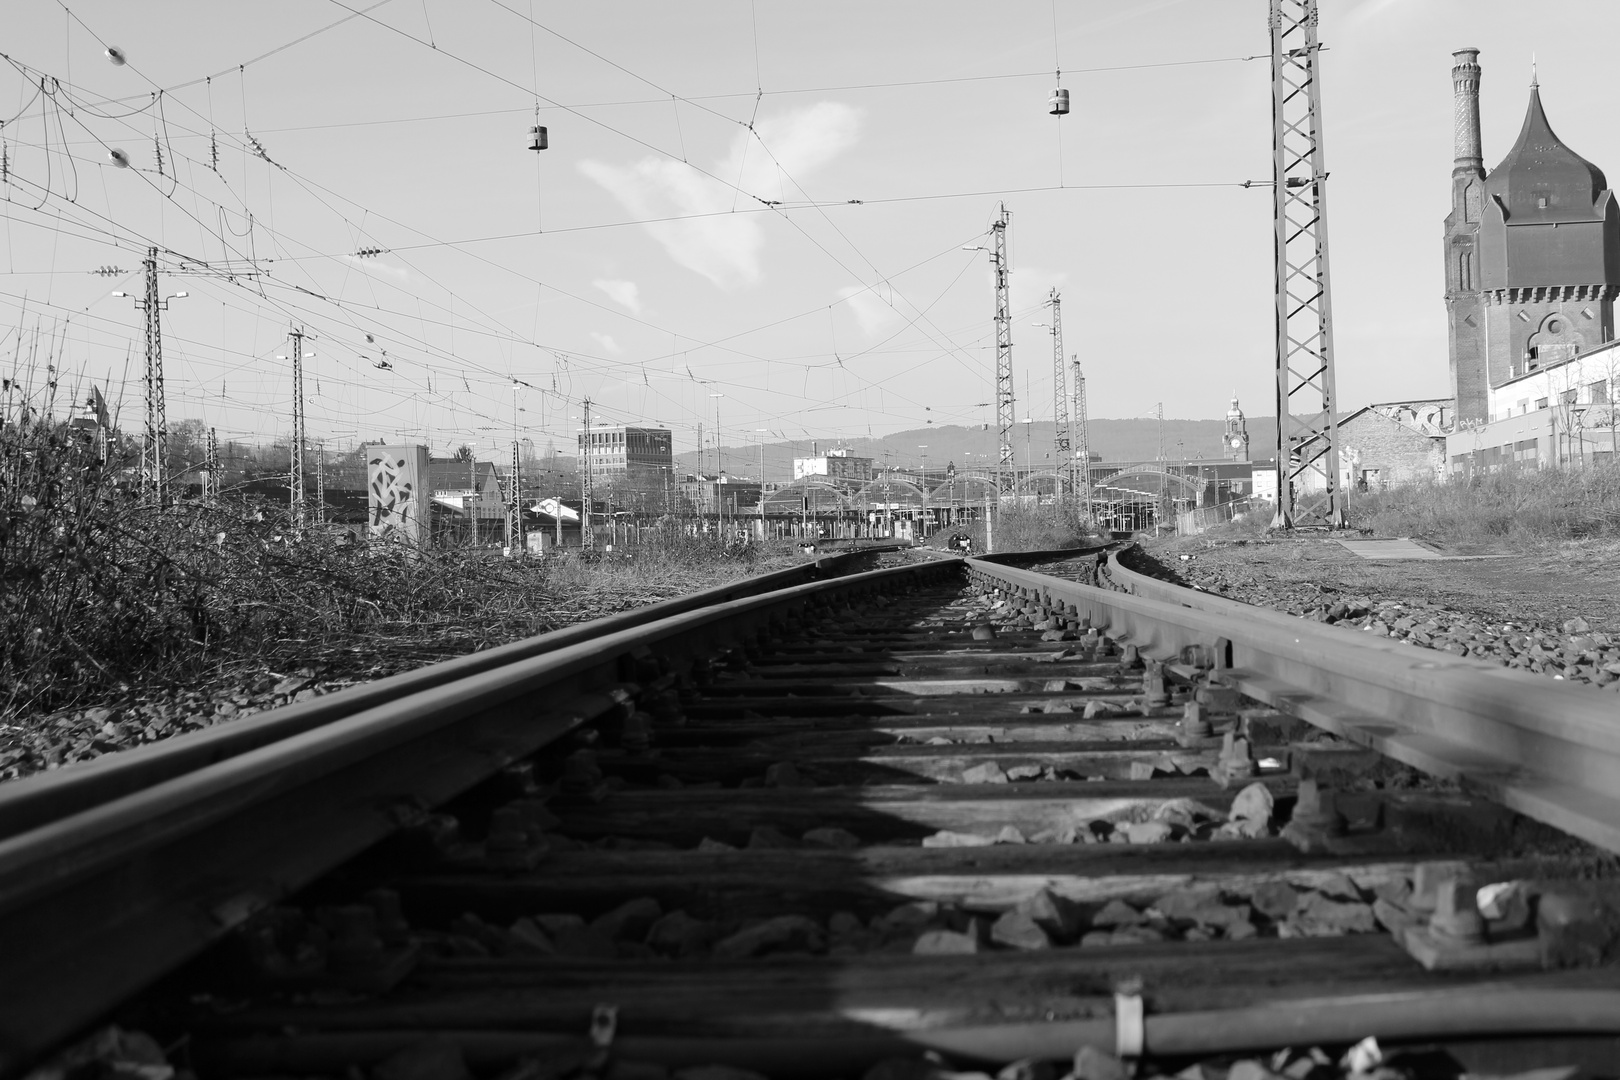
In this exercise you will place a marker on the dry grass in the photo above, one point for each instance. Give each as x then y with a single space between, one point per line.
1517 506
100 595
1042 528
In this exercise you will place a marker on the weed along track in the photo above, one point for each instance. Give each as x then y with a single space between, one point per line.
942 806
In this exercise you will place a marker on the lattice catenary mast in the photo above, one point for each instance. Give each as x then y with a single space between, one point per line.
1308 488
154 452
586 540
1060 395
514 507
1006 469
296 487
1082 442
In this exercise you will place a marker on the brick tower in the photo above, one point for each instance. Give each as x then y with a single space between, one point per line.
1465 312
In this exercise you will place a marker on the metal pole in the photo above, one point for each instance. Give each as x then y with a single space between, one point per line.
297 486
155 453
211 475
320 482
1060 397
1082 442
1006 468
1307 413
586 540
514 507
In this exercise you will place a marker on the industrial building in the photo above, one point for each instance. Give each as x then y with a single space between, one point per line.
639 454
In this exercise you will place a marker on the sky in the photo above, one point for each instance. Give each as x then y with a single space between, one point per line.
768 214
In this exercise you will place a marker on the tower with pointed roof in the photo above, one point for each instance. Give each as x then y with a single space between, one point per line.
1533 252
1237 432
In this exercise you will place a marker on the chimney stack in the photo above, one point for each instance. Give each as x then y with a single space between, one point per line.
1468 157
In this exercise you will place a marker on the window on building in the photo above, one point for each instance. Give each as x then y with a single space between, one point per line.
1599 392
1524 406
1541 403
1567 397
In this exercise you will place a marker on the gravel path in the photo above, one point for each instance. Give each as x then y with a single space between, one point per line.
1554 612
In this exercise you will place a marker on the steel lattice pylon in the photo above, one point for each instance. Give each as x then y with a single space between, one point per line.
1006 470
155 450
1082 442
1060 394
1308 488
587 540
296 465
514 506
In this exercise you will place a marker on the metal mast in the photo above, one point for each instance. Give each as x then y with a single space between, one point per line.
586 540
320 482
1308 490
155 451
210 476
514 507
1060 394
296 487
1082 442
1006 468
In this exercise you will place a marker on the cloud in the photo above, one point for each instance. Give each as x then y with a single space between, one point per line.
375 268
873 308
1031 285
624 293
607 343
726 248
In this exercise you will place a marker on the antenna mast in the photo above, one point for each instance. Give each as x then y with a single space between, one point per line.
1308 491
1006 469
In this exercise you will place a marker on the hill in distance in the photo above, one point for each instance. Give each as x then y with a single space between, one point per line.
975 446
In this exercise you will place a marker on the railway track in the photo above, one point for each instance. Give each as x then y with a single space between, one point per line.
967 807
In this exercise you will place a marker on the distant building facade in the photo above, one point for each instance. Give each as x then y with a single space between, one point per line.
1236 438
1532 252
637 454
835 465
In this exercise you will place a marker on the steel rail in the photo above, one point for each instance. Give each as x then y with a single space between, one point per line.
35 800
1547 749
96 904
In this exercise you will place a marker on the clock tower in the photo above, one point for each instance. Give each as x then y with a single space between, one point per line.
1237 433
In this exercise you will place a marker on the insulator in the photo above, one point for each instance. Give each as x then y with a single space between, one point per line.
1060 102
537 137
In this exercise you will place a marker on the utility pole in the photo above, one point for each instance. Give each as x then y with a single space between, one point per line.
1158 411
1006 468
211 468
1308 491
1082 442
155 448
586 540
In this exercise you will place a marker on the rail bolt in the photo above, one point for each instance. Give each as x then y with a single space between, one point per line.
1316 812
391 924
1153 691
1129 660
1236 760
1456 914
635 736
1194 724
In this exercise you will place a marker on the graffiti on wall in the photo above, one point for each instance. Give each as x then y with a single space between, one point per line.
397 493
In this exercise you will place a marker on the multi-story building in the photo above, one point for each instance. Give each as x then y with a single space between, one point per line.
635 454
